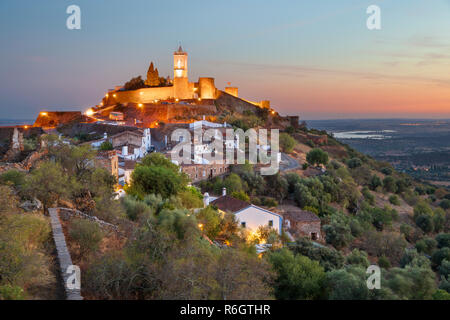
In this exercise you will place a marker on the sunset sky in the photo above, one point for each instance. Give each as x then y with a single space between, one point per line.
316 59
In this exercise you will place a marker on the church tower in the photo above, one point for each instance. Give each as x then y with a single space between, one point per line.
181 86
180 60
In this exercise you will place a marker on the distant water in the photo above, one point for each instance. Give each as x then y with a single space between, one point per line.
15 122
377 135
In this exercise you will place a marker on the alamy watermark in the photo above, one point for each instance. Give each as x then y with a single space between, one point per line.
212 146
374 280
73 22
374 20
73 281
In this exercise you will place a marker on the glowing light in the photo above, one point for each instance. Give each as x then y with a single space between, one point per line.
195 89
199 99
107 95
200 226
89 112
44 114
25 127
177 100
114 95
140 105
273 112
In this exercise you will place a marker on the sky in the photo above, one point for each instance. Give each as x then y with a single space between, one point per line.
316 59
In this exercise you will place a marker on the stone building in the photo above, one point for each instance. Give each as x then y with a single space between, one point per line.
200 172
108 160
301 223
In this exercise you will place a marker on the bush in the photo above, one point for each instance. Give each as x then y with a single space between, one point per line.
86 234
241 195
375 182
317 156
13 177
354 163
297 276
445 204
390 185
287 143
106 146
384 262
443 240
191 198
394 200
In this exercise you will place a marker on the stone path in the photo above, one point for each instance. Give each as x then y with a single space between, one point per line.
64 258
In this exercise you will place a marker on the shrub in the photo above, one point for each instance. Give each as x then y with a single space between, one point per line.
287 143
384 262
106 146
443 240
86 234
354 163
389 184
241 195
317 156
13 177
445 204
394 200
375 182
191 198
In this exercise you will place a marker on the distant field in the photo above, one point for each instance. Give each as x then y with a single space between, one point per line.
418 147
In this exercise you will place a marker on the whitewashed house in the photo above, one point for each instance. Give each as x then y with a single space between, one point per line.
249 216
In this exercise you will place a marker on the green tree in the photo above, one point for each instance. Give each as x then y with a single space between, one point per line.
155 180
298 277
317 156
346 285
48 183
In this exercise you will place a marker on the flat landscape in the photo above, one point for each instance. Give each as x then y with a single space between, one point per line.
418 147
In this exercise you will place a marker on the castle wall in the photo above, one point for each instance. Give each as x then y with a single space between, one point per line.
145 95
183 89
207 88
234 91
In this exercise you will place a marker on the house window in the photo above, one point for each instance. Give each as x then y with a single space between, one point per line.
313 236
243 225
270 223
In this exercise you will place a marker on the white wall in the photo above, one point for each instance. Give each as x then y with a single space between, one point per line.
255 217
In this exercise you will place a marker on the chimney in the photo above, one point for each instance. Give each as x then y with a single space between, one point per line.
204 118
206 199
224 192
125 150
105 136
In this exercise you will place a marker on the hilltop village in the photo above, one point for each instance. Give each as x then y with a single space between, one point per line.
99 188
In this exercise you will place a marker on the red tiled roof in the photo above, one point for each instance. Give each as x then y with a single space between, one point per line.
229 204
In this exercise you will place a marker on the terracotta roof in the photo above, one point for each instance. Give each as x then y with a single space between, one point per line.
230 204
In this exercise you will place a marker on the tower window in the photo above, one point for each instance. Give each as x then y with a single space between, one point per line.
270 223
243 225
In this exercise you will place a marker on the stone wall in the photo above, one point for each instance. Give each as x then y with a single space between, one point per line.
145 95
66 214
64 259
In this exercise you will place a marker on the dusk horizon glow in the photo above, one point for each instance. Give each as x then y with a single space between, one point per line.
315 60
